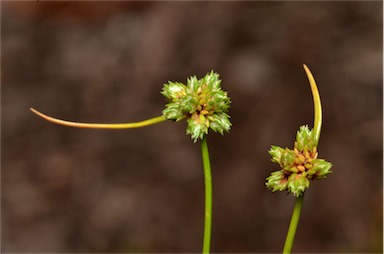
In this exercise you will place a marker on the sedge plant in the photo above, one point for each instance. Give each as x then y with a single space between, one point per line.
204 105
301 165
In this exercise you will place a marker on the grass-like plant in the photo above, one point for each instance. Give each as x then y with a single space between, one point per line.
204 105
301 165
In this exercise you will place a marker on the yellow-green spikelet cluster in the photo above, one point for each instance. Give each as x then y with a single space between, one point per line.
202 102
298 166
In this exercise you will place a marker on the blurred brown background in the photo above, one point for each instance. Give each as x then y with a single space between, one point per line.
75 190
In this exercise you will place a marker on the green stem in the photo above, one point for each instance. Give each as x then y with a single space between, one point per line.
151 121
208 196
293 225
318 118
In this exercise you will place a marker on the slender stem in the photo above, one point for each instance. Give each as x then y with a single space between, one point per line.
316 104
316 130
100 125
293 225
208 196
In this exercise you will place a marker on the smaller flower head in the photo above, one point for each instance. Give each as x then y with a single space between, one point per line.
298 166
202 102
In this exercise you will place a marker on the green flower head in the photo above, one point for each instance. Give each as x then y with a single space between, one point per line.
298 166
202 102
